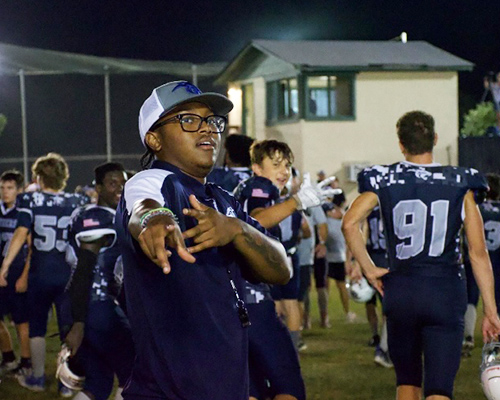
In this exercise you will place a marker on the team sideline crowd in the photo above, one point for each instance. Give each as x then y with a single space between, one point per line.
186 281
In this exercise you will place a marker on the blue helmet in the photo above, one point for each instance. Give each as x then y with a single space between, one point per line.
92 223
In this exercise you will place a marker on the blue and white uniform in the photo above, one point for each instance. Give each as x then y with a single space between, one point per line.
425 297
228 178
190 341
490 211
47 216
107 348
272 354
11 302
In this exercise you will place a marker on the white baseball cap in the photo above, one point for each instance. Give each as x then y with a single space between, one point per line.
166 97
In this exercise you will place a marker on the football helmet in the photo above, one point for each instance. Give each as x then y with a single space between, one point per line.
92 223
360 291
490 370
67 377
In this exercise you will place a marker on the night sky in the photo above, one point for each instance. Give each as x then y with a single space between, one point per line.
216 31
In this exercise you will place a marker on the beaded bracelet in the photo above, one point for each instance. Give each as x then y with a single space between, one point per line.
155 212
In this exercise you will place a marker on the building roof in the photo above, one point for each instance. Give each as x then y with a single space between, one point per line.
48 62
350 56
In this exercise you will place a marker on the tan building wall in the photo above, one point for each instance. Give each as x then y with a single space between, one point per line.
380 99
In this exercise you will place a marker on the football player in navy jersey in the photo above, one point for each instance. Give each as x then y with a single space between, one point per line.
490 211
100 326
424 206
13 297
46 215
272 355
236 163
377 250
186 246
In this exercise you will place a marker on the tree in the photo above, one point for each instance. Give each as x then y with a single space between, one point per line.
3 122
479 119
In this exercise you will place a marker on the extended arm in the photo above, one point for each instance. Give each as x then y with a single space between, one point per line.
159 231
264 257
359 211
273 215
481 266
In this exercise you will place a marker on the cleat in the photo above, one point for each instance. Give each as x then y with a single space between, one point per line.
382 358
8 367
31 383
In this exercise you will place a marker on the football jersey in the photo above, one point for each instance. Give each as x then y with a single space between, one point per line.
375 243
8 222
187 332
47 216
422 210
105 284
229 178
490 211
258 192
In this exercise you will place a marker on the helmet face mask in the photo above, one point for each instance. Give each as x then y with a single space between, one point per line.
360 291
490 370
67 377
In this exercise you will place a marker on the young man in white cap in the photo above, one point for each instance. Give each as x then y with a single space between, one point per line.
186 246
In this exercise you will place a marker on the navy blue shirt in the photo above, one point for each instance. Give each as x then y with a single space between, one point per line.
47 216
422 209
189 340
105 285
490 211
229 178
8 222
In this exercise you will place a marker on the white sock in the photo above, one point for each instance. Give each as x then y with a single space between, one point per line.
37 346
383 337
118 395
470 320
83 396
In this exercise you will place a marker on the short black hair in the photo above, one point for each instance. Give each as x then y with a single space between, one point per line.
416 132
238 149
13 175
494 184
101 170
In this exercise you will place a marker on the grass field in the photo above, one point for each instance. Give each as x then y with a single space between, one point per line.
337 365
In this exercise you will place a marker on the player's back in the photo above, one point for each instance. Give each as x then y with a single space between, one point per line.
422 207
47 216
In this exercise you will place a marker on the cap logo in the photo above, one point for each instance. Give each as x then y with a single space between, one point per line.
188 87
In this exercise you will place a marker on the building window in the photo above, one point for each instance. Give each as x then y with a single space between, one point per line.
283 100
329 97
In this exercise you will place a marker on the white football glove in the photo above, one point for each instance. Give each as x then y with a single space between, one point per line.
311 195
